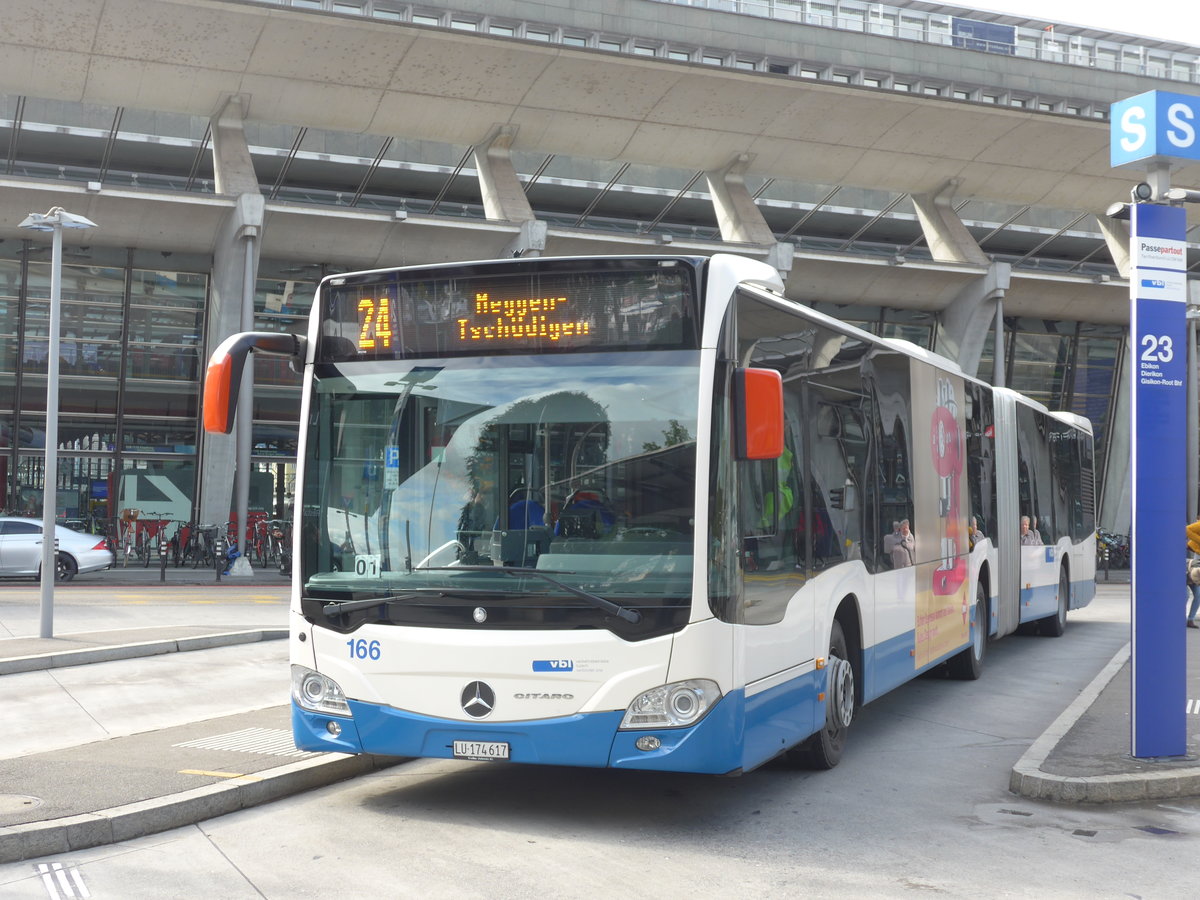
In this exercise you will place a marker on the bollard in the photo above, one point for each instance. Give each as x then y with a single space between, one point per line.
219 553
164 550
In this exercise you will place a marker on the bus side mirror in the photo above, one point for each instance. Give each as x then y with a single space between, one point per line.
757 414
223 378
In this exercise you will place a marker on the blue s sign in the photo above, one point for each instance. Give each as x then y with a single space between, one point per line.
1156 123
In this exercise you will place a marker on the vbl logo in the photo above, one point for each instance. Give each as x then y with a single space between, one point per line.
553 665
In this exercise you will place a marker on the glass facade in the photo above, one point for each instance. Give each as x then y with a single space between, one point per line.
1070 366
131 363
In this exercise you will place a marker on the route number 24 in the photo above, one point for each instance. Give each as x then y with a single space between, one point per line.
1157 348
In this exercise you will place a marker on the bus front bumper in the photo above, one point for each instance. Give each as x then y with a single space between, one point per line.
710 746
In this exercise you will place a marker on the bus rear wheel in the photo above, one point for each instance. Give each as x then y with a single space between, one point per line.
1056 624
824 749
968 665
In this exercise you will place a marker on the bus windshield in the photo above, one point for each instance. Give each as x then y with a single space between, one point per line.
432 484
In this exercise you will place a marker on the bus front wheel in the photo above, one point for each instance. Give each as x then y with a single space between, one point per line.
824 749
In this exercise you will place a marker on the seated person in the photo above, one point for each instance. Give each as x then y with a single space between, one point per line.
524 510
585 514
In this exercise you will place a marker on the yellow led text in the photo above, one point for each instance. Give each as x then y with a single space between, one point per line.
520 319
376 323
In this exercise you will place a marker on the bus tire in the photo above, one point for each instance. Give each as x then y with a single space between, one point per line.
1055 625
968 665
824 749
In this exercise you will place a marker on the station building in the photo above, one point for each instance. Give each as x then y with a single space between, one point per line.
930 172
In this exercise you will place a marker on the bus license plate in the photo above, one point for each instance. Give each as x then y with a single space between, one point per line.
480 750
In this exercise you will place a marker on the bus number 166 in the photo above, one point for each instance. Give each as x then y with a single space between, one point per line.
363 649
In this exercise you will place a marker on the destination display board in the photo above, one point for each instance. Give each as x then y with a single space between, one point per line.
518 307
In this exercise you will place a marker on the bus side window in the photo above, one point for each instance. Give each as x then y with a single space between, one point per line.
757 509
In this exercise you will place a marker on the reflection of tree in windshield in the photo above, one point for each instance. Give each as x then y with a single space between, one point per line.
676 433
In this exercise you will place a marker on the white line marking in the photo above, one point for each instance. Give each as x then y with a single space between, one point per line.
48 881
63 882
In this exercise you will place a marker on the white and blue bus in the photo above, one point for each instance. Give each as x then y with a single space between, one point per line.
647 513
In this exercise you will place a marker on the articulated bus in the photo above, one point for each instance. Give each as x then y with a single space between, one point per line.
646 513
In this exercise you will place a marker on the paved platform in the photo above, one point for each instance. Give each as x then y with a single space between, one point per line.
101 791
1085 756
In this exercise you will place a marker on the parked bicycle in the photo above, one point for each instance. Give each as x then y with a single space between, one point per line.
1112 550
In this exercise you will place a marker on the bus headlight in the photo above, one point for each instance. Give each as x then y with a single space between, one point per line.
316 693
672 705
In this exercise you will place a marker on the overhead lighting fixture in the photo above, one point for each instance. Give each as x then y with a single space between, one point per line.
56 218
1182 194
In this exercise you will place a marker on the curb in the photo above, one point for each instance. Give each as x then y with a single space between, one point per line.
1028 779
83 656
133 820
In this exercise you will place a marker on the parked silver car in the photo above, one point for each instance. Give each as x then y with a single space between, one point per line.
21 550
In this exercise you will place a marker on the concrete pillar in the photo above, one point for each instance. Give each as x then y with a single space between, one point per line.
945 233
233 169
235 259
738 216
503 196
1116 236
966 321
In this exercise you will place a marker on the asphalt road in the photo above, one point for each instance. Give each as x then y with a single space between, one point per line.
919 805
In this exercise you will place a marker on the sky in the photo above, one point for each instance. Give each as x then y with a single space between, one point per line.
1177 20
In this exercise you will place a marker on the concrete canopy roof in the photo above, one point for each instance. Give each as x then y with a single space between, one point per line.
355 74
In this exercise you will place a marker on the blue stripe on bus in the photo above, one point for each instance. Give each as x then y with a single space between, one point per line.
711 746
736 733
580 740
891 663
1042 601
768 723
782 716
1082 593
1039 601
587 739
309 732
888 664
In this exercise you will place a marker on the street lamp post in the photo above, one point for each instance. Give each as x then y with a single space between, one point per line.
54 221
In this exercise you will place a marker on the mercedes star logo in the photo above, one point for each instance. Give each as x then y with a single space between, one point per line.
478 700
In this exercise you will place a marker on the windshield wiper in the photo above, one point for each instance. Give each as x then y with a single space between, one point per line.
631 616
345 606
